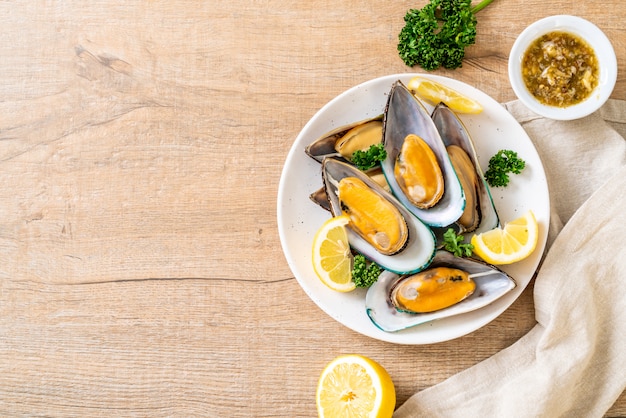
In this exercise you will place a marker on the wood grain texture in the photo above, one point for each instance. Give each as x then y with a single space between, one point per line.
141 146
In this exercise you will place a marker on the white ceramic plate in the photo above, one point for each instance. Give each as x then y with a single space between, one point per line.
299 218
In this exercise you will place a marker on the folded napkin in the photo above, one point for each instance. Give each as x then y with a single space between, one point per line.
573 362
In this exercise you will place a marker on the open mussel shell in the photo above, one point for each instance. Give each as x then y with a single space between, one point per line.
419 247
432 289
341 144
320 198
405 115
489 288
479 203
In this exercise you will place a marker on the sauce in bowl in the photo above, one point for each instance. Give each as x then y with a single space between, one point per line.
560 69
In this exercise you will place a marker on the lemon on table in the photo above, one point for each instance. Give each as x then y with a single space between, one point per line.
332 259
355 386
434 93
514 242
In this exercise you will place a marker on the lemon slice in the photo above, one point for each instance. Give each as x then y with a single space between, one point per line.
355 386
332 259
514 242
434 93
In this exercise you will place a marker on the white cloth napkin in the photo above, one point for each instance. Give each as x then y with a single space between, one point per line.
573 362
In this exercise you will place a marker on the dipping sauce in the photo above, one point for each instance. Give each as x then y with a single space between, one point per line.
560 69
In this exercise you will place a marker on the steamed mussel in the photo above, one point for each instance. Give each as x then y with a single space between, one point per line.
375 218
418 173
359 138
319 196
479 214
380 227
342 142
432 289
417 167
456 285
470 219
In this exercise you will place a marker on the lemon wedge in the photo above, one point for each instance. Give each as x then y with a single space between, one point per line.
353 385
514 242
332 259
434 93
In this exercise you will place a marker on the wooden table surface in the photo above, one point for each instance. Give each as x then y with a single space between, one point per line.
141 147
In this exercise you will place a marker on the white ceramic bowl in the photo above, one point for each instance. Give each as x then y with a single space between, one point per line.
588 32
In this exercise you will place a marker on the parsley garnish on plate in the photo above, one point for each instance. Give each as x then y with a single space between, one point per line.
364 275
500 165
454 243
365 160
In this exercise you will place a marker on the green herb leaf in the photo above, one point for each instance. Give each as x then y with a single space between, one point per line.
364 275
500 165
454 243
438 34
365 160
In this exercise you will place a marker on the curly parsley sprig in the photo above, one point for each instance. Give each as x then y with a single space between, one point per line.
454 243
438 34
365 160
364 275
500 165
